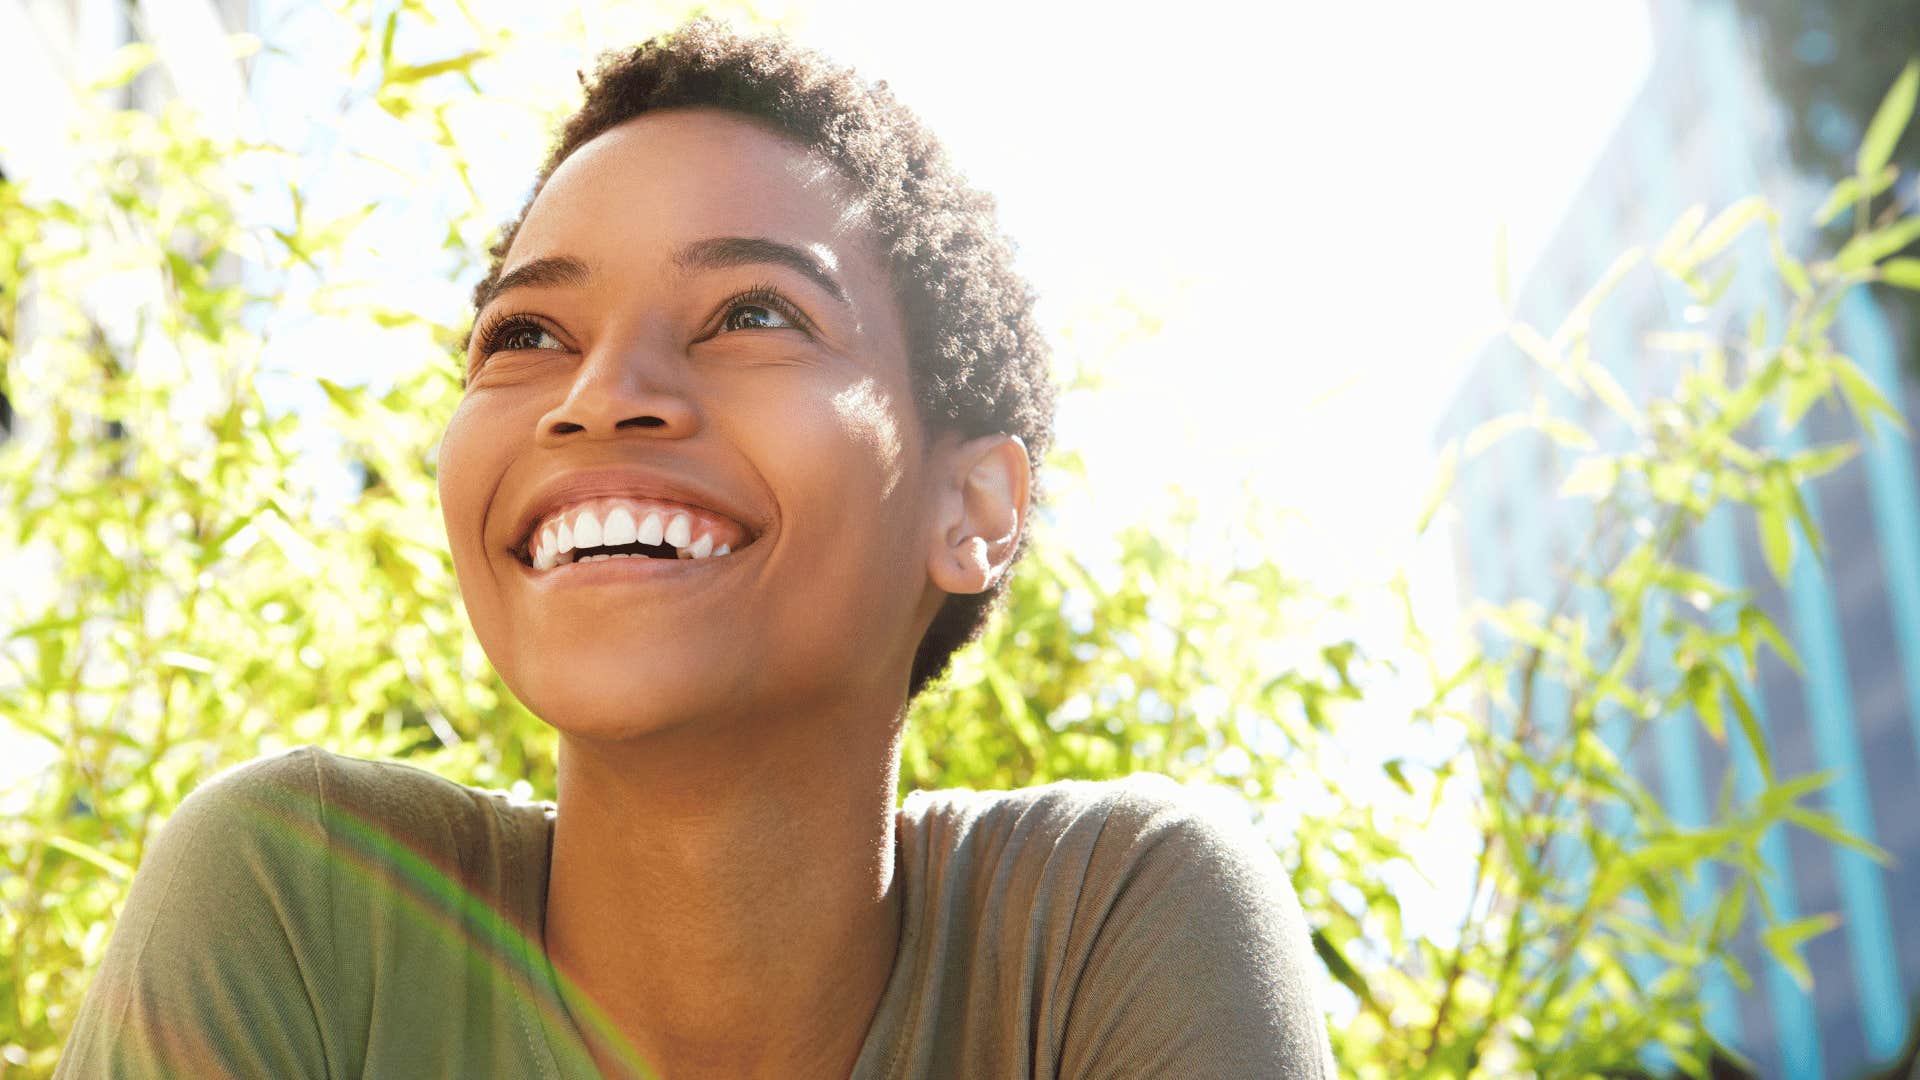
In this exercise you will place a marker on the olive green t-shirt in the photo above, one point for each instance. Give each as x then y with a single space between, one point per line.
311 915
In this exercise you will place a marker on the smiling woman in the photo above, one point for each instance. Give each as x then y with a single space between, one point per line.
745 453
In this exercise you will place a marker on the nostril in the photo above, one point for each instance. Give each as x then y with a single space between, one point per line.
641 422
566 427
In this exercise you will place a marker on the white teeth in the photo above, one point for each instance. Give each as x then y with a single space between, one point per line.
581 531
680 530
586 530
619 529
651 529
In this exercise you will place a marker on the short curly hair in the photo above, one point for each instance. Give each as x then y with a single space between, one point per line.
977 359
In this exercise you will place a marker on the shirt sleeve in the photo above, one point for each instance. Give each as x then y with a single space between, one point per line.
219 965
1200 965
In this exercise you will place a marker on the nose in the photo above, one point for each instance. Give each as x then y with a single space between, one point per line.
635 388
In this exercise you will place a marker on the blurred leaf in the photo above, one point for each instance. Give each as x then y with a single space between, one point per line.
1679 235
1904 273
1874 245
1486 434
400 74
1776 541
1591 478
1784 943
1703 687
118 870
1724 228
1442 485
1847 194
1825 827
1863 397
1889 122
1750 729
1610 393
126 63
1821 460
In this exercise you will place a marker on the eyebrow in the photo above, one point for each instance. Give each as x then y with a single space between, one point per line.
548 270
713 253
719 252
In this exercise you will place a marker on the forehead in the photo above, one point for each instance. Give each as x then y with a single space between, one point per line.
664 178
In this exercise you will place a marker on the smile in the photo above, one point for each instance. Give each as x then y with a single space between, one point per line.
629 528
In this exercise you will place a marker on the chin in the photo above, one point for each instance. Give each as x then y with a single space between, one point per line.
603 692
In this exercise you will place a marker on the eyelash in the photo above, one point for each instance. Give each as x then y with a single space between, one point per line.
495 331
769 297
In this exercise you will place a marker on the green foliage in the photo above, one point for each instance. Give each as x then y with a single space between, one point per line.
191 597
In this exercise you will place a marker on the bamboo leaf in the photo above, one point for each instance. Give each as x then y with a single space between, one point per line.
1784 943
1751 730
1863 397
1847 193
400 74
1821 460
1492 431
1824 826
1755 627
1873 245
1679 234
1591 478
1443 481
1776 540
1724 229
1703 688
1610 392
1904 273
1889 122
88 853
1841 198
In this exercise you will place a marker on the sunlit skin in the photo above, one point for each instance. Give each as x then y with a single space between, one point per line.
722 886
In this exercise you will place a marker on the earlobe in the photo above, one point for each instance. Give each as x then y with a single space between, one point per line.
983 505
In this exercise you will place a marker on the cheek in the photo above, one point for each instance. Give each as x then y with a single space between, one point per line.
470 464
456 467
867 418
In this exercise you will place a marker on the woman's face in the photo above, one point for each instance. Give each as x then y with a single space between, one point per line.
694 352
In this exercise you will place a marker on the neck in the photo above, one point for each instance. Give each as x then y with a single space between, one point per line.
724 898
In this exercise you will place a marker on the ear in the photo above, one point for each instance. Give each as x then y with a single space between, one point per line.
980 503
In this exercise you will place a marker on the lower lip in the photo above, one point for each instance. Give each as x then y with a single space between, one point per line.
618 571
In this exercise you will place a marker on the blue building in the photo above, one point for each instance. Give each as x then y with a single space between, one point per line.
1704 129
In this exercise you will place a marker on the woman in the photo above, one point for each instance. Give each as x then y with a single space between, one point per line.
746 452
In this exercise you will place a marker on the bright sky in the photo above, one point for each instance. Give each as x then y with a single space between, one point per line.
1307 200
1304 200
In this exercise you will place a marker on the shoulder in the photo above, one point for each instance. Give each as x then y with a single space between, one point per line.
313 794
1169 933
1108 828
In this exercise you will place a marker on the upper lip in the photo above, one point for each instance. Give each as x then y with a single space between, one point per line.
565 489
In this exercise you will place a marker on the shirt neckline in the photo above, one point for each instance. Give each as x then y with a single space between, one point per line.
881 1047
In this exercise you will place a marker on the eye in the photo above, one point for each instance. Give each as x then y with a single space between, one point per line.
753 317
517 332
761 308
